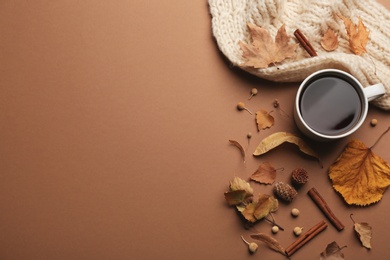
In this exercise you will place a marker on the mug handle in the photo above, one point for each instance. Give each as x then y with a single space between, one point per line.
374 91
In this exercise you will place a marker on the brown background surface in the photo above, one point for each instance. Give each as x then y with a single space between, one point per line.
114 126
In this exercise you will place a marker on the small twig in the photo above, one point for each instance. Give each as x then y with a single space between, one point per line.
274 223
380 137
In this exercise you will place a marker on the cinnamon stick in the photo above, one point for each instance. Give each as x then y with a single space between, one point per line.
305 43
305 238
321 203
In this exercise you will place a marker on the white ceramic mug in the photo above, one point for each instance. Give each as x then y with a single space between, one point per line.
331 104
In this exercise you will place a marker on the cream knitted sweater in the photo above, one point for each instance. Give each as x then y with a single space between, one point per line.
313 18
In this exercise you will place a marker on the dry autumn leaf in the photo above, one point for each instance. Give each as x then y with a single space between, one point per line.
358 35
239 192
364 232
239 184
332 252
264 119
265 174
239 146
265 204
235 197
330 40
259 209
240 195
359 175
270 242
263 51
276 139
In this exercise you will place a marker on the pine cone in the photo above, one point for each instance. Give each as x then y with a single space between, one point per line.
299 176
285 191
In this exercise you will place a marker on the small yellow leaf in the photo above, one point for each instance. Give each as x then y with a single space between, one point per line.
264 119
330 40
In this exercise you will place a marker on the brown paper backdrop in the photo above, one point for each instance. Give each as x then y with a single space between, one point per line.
114 126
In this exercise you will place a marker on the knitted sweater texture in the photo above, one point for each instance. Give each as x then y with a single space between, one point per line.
313 18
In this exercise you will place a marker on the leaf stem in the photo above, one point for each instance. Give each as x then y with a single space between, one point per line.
350 216
380 137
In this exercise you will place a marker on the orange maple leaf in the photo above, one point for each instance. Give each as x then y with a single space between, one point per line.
358 35
263 51
359 175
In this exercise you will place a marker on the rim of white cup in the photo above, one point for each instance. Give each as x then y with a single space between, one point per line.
361 92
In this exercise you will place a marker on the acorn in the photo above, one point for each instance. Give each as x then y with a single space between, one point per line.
284 191
299 176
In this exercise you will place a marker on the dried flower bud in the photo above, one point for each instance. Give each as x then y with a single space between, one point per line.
298 231
275 229
299 176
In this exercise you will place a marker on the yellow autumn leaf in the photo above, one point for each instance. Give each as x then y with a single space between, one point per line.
358 35
359 175
276 139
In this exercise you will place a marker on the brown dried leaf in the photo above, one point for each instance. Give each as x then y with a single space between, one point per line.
235 197
332 252
330 40
263 51
364 232
270 242
264 119
276 139
239 184
265 174
259 209
239 146
358 36
248 211
265 204
359 175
